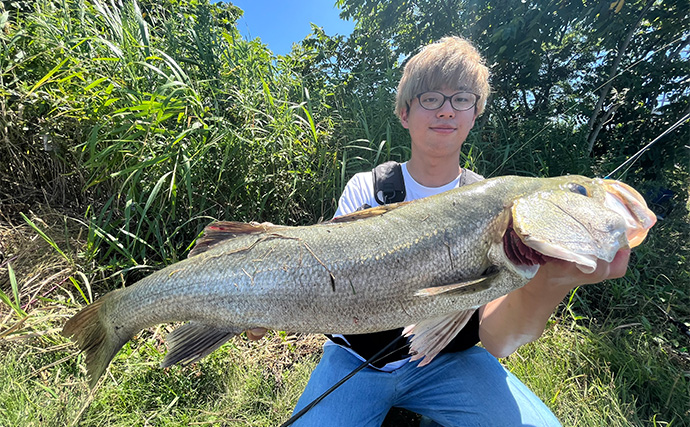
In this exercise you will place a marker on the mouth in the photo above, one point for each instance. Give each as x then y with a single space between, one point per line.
443 128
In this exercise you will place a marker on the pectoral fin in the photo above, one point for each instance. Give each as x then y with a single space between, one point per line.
431 336
193 341
461 288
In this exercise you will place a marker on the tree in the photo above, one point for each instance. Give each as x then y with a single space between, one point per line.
615 72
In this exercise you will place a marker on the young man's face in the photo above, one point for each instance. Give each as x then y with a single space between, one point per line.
440 132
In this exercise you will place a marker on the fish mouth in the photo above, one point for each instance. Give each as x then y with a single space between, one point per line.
556 225
629 204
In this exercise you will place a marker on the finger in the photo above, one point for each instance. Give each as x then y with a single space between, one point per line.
610 270
566 273
256 333
619 265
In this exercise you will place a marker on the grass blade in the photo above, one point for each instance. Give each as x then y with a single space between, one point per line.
48 76
15 305
75 283
45 237
143 28
13 283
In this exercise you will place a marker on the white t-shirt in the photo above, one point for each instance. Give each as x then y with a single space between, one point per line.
359 191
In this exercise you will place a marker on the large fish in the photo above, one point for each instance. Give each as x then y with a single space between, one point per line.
425 264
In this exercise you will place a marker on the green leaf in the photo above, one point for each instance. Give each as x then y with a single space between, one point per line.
95 83
45 237
14 304
48 76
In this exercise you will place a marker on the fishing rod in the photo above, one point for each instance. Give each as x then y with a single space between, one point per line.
381 354
630 160
620 73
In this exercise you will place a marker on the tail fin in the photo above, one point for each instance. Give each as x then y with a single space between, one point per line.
95 339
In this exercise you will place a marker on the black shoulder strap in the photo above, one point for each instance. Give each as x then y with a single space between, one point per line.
389 184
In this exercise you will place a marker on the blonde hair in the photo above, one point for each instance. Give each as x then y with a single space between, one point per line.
453 63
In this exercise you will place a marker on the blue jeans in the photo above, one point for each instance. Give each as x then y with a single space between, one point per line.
470 388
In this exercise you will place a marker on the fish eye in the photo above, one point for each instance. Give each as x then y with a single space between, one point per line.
577 188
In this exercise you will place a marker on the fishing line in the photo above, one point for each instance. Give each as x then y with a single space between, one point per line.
647 55
680 325
384 352
593 91
637 155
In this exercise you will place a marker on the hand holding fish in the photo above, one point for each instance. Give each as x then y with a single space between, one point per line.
563 273
518 318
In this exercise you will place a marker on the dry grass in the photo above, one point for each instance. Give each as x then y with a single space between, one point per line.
37 266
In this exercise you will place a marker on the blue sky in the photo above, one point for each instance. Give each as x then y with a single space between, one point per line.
280 23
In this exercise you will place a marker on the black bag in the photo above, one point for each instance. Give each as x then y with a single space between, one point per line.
389 184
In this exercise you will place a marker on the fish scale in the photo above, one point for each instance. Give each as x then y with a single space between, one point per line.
424 264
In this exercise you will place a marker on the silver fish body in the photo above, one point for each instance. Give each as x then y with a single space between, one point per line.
427 263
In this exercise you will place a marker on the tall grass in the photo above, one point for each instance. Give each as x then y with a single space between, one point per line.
594 375
165 130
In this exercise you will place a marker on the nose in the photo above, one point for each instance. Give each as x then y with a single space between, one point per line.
445 110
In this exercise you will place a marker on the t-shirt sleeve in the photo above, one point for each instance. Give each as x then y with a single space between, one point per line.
358 192
470 177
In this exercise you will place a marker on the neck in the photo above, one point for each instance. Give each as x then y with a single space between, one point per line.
434 172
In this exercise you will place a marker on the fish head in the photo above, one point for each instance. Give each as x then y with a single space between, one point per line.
576 219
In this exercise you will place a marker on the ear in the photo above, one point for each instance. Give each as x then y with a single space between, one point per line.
403 117
476 114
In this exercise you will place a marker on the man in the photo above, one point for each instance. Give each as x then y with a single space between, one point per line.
442 91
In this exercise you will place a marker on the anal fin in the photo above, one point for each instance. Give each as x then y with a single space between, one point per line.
193 341
431 336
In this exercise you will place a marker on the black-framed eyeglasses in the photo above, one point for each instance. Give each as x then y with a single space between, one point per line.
460 101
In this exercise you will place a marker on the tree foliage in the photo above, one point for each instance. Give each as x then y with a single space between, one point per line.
614 73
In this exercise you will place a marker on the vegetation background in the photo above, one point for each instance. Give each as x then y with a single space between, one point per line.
126 126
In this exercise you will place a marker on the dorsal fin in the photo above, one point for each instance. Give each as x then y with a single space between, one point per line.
367 213
223 230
